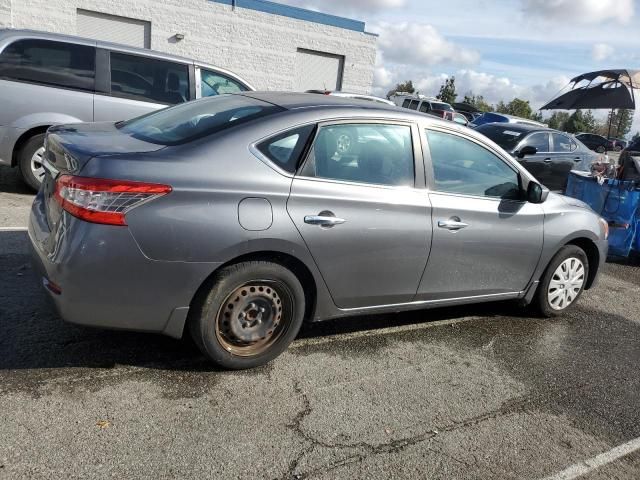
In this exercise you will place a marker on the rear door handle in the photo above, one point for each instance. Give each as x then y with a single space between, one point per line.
452 224
323 220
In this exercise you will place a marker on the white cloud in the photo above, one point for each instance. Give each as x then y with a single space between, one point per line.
602 51
420 44
582 11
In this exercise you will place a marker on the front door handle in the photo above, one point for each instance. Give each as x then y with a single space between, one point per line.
452 224
324 219
577 159
547 160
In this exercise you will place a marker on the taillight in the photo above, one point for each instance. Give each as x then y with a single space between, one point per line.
99 200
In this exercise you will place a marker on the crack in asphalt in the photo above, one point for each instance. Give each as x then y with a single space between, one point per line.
510 408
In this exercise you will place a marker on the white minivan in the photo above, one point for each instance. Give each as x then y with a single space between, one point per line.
48 79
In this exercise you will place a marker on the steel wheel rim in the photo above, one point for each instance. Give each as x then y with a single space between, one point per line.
37 169
566 283
254 317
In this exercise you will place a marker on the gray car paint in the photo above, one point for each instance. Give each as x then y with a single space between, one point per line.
144 276
29 108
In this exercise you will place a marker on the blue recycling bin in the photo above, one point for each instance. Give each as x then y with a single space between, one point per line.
617 202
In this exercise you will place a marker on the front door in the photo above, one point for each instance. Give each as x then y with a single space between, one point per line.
539 164
486 239
364 217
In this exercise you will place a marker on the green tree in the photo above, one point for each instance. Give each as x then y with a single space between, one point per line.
477 101
448 91
537 116
406 87
621 121
581 122
519 108
558 120
501 107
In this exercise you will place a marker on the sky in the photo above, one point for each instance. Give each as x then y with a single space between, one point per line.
500 49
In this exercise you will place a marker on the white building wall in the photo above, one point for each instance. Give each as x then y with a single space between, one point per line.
258 46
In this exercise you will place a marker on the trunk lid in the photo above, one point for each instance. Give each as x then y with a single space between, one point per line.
70 147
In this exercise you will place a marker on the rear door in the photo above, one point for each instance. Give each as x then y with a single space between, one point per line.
486 240
132 85
363 212
539 165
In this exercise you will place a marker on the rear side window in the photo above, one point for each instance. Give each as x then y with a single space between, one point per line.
213 83
285 149
56 64
149 79
414 104
406 103
197 119
562 143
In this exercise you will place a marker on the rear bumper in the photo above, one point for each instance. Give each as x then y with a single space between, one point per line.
105 280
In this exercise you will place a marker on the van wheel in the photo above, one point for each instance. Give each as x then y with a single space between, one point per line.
30 161
563 282
249 314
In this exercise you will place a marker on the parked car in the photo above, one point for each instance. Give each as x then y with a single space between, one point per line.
596 142
358 96
154 224
461 119
469 111
429 105
493 117
48 79
549 155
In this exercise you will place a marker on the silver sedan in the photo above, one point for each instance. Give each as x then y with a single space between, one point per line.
240 217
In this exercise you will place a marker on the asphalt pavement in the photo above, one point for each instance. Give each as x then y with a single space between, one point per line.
480 392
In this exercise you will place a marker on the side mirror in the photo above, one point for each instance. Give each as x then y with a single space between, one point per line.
526 151
536 193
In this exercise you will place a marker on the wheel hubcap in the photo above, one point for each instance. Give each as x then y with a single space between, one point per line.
566 283
36 164
251 318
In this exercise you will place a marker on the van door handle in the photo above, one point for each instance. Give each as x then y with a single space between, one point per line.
452 224
324 219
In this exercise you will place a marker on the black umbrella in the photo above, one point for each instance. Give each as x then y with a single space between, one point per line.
601 89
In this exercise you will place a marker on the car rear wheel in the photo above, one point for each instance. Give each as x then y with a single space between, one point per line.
248 315
30 161
563 282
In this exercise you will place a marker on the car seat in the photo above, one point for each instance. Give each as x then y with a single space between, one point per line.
173 95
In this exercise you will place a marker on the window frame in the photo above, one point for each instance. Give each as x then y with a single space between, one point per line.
428 164
79 43
419 181
105 78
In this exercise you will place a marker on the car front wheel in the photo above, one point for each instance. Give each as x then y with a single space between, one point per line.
248 315
563 282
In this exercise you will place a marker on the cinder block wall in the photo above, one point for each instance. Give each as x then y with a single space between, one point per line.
258 46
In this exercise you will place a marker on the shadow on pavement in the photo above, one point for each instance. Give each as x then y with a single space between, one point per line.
10 182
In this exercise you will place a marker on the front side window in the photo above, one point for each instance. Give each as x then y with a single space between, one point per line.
540 141
190 121
285 149
149 79
463 167
213 83
363 153
56 64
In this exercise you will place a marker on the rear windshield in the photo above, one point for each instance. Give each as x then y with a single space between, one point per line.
504 136
189 121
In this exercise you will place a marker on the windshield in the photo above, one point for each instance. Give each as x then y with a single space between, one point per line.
441 106
504 136
189 121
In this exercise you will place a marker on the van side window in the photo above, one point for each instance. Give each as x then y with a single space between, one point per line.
424 107
149 79
213 83
406 103
46 62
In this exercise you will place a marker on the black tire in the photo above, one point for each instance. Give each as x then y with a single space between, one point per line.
24 160
600 149
225 303
541 300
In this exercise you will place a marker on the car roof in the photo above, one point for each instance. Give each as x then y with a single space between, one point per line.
294 100
10 33
520 127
